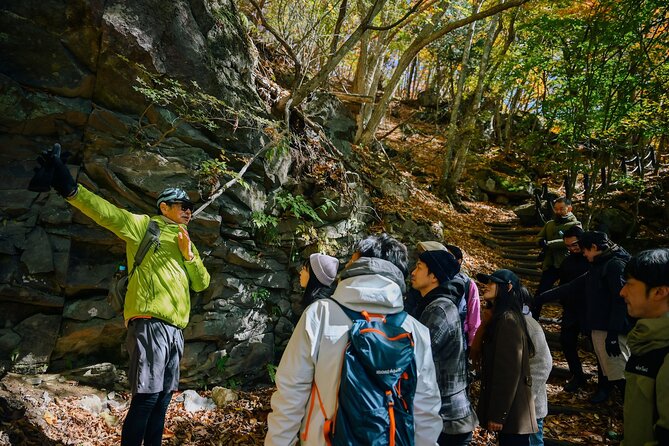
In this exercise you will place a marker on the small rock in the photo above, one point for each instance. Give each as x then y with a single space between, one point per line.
223 396
109 419
91 403
195 403
34 380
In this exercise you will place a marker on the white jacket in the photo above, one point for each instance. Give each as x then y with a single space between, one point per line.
315 352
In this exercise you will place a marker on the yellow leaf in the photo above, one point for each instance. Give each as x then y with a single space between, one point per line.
49 418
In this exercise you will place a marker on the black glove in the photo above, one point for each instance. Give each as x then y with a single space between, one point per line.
543 243
41 181
62 180
612 345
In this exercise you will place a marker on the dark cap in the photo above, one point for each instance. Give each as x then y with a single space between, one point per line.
501 276
457 252
442 264
173 195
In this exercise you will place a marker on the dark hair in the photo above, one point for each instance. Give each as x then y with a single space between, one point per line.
457 252
597 238
511 302
313 286
386 248
564 200
650 267
573 231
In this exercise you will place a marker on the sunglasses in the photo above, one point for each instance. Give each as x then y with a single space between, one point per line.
487 304
184 206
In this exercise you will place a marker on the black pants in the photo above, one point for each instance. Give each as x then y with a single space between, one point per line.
548 279
145 419
569 332
454 439
513 439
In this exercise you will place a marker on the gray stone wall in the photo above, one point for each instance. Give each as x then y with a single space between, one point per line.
67 72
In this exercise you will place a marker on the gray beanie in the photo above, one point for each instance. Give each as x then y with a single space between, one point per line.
324 267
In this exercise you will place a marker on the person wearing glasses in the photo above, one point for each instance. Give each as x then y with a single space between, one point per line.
506 401
573 307
550 239
157 304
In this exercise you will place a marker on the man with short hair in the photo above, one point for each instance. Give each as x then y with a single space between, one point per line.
550 239
157 304
435 279
646 294
372 281
573 307
606 316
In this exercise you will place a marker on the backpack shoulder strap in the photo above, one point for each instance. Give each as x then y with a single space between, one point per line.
396 319
151 237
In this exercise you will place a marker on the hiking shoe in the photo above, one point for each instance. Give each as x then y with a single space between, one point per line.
574 384
601 396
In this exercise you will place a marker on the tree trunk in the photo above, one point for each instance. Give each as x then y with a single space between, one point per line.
321 77
459 160
426 36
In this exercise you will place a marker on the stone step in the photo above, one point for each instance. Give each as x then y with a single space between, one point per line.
516 232
521 257
525 271
518 243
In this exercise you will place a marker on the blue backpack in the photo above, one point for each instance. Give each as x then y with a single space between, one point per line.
377 384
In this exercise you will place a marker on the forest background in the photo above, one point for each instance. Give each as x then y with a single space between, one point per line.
447 105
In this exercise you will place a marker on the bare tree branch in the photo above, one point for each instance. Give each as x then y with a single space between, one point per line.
277 36
413 9
337 28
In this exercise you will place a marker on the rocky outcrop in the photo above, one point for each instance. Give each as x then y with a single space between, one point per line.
69 74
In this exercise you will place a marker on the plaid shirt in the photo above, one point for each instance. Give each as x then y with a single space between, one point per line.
441 317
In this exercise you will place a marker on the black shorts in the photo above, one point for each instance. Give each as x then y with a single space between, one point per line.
155 348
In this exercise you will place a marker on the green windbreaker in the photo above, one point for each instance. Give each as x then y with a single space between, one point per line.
160 286
646 399
556 251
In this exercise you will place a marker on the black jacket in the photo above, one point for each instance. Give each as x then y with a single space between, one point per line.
606 310
574 306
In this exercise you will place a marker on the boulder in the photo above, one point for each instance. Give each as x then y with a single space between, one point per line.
38 338
338 123
38 256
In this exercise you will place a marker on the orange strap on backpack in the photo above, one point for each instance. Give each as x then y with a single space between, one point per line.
328 423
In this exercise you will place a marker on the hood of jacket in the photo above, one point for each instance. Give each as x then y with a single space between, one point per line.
614 251
570 217
649 334
371 284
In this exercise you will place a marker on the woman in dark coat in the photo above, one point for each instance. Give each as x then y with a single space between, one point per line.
317 275
506 404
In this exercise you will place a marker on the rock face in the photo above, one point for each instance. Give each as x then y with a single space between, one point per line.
69 74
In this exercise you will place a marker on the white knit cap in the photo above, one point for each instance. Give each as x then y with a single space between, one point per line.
324 267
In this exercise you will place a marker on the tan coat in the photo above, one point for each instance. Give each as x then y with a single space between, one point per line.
506 383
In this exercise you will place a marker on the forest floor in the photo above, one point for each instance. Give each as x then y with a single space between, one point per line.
57 416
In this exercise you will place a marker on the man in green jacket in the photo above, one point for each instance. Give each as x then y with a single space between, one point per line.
551 241
157 304
646 293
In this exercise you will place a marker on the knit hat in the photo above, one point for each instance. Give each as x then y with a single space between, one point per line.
502 277
430 246
324 268
442 264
